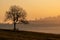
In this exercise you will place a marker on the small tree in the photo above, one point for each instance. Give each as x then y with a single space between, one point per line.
15 14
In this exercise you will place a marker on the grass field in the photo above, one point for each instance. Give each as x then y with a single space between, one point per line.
25 35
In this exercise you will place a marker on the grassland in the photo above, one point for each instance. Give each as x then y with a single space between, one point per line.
25 35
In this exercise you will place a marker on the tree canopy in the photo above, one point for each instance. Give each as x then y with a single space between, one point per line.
15 13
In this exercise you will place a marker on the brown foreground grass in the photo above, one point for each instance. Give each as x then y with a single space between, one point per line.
25 35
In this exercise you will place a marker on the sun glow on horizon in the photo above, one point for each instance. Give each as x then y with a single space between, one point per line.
34 8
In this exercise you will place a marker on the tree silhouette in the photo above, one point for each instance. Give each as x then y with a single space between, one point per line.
15 14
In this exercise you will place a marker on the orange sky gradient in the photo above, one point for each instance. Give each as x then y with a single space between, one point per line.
34 8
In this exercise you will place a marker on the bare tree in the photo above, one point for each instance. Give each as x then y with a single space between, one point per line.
15 14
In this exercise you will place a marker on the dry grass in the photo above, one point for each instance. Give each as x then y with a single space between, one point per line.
25 35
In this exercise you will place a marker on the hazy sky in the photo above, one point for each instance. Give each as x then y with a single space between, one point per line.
34 8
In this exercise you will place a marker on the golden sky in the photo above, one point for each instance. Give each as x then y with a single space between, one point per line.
34 8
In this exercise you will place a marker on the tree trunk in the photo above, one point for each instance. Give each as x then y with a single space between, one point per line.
14 26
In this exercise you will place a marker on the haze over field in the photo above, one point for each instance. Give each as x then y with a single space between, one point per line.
34 8
45 13
33 28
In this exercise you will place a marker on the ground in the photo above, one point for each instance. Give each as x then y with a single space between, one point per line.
25 35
